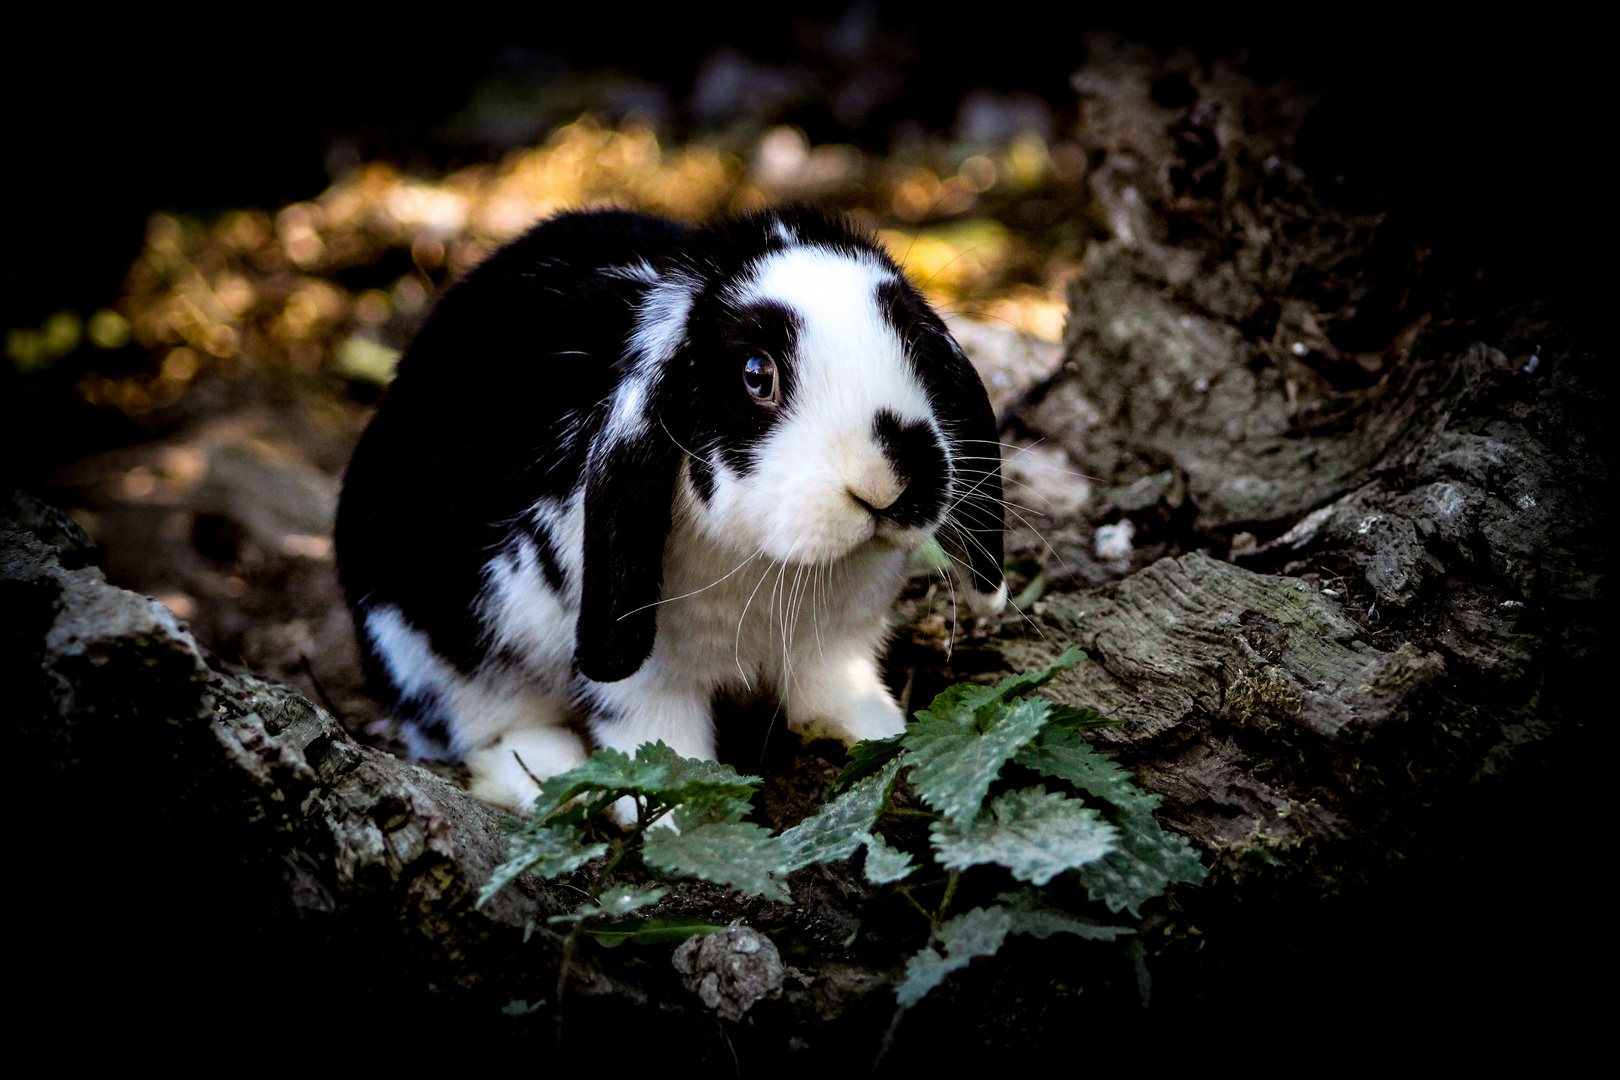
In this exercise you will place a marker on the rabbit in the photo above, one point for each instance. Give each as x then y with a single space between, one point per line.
628 465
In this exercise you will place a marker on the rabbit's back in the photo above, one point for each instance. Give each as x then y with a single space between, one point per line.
486 419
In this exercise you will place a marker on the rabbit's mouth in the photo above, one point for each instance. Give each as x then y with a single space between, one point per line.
904 537
896 522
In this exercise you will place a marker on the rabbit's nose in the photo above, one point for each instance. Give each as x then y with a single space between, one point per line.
877 488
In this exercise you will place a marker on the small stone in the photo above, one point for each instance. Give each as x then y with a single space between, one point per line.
731 970
1114 541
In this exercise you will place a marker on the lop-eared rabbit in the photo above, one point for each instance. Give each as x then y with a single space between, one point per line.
629 465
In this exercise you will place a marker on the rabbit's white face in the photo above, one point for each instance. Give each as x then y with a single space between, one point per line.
815 434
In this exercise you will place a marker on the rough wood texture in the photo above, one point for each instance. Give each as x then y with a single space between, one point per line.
1434 500
158 744
1270 708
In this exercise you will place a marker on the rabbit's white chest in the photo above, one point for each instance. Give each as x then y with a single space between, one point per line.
725 619
737 621
807 634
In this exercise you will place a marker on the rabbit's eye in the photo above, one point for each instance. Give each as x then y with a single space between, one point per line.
759 376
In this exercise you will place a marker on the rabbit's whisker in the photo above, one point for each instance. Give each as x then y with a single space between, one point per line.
742 618
705 588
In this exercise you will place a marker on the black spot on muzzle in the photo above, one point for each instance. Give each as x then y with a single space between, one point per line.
919 462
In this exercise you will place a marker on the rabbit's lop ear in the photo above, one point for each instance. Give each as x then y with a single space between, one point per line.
973 527
975 524
630 475
976 517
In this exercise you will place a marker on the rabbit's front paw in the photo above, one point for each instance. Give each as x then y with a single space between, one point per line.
507 772
849 703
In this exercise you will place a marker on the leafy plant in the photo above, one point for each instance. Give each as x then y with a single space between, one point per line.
572 823
1085 817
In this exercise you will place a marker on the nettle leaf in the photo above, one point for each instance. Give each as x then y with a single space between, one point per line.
547 852
1064 754
739 854
605 770
1034 833
1147 861
1032 915
521 1007
668 930
839 828
980 932
621 900
1019 685
656 772
1068 716
693 779
953 762
867 758
958 705
884 863
723 811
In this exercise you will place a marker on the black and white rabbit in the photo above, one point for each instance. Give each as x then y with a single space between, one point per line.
628 465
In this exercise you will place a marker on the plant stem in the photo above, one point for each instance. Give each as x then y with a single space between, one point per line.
905 892
950 891
619 848
562 978
572 941
888 1038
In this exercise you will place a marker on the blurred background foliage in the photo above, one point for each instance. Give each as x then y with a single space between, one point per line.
205 209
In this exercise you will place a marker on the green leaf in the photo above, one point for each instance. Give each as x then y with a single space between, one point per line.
570 814
668 930
656 772
621 900
739 854
547 852
953 764
884 863
867 758
692 779
605 770
1064 754
839 828
1032 915
1067 716
1147 861
1147 858
1038 584
1019 685
960 701
520 1007
928 560
979 932
721 811
1034 833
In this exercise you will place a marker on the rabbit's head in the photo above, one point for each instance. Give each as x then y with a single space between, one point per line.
786 388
